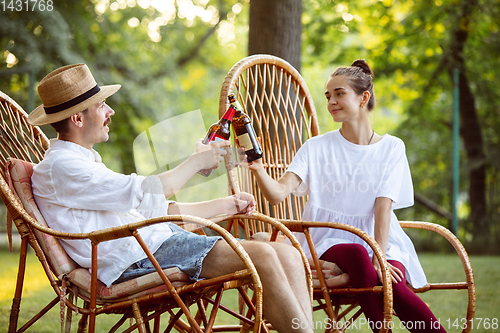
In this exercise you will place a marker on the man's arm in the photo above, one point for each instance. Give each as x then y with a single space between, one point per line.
238 203
204 157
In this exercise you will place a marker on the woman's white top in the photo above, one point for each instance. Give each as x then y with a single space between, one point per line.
343 180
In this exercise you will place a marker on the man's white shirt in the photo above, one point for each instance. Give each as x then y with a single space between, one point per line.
77 193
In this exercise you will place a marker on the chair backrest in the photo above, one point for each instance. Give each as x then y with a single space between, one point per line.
18 173
22 145
277 100
18 139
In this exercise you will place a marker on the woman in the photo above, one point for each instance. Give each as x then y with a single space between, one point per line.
357 177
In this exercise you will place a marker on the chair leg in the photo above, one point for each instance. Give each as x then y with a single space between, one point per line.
39 314
14 314
138 318
156 327
148 328
201 316
173 320
82 323
16 301
246 328
118 324
69 314
215 308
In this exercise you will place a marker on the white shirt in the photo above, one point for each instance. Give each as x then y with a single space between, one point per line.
77 193
343 180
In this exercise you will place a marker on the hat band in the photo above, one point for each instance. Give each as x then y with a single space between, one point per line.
72 102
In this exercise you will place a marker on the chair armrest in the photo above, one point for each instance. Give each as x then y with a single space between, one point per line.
303 226
277 226
450 237
464 257
300 226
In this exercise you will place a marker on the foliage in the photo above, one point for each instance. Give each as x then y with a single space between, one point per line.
408 45
171 57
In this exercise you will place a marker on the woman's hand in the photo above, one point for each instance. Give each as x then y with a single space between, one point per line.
255 165
396 274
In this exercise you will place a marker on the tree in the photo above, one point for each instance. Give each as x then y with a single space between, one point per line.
471 128
276 28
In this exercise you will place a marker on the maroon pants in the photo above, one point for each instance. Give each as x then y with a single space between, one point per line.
411 310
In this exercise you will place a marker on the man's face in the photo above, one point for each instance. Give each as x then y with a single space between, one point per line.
96 121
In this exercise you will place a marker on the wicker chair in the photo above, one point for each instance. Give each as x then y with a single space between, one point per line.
277 99
145 298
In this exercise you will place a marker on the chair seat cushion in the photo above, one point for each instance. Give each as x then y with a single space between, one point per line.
128 289
19 174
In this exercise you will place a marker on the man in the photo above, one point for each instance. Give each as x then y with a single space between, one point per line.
77 193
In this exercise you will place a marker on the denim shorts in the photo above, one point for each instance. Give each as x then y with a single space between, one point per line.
183 249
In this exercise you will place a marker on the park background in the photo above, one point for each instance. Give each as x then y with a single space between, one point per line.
171 56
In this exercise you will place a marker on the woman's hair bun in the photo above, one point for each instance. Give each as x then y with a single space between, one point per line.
361 63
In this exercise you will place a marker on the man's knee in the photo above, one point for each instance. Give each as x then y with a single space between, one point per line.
266 237
260 249
289 256
263 254
292 254
286 253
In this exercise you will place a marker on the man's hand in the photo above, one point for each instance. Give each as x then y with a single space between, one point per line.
211 155
240 203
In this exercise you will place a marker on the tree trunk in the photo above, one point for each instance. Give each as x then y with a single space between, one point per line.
276 28
470 127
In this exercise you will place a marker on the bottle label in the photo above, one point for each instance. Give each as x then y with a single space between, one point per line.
215 138
244 140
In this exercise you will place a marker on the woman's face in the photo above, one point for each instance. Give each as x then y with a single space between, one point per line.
343 102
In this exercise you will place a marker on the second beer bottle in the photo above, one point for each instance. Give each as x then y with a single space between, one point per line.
244 131
218 132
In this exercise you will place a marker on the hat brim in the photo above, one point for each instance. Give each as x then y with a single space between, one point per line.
38 117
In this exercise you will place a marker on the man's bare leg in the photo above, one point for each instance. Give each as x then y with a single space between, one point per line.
291 261
283 297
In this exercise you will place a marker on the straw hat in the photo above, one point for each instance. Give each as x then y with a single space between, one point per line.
67 91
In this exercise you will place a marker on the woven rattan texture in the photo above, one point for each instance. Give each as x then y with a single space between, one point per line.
18 139
278 102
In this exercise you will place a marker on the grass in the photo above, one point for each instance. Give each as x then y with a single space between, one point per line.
448 306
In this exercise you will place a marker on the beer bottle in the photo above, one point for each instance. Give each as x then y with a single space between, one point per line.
244 131
217 132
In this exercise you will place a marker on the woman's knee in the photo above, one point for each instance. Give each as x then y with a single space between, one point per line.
357 251
352 251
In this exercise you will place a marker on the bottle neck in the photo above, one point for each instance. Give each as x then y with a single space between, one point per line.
231 98
236 105
234 102
229 113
